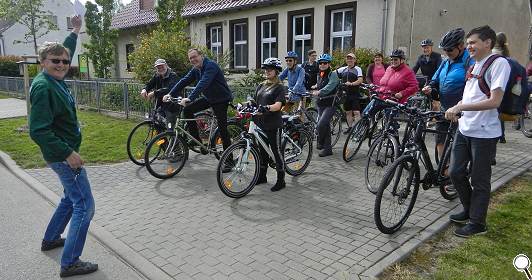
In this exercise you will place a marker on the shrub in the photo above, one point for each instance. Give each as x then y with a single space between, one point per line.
9 66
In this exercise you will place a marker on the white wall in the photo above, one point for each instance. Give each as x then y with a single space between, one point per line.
368 24
125 37
62 9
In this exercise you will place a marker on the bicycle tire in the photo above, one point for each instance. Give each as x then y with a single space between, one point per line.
336 127
403 163
376 163
354 139
172 153
445 193
234 128
377 128
303 141
135 152
313 113
202 122
226 184
525 121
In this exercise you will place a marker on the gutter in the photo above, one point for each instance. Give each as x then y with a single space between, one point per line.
384 25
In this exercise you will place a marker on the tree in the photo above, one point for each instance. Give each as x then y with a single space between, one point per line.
29 14
102 38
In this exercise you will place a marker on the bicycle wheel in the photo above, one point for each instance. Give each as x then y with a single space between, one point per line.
397 194
138 139
382 153
166 155
234 129
336 127
354 140
446 189
244 170
377 128
297 151
204 128
525 121
312 119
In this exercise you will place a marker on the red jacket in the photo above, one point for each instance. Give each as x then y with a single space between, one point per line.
399 80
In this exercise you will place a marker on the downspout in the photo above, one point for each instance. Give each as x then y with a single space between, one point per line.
411 28
384 25
2 50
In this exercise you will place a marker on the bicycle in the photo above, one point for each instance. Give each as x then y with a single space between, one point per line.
167 152
241 161
369 127
524 123
391 200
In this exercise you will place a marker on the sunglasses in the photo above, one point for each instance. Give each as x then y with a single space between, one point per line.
448 49
324 63
57 61
289 60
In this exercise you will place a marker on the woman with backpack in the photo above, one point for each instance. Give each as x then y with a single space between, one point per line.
501 47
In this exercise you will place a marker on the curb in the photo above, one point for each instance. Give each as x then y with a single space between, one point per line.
122 251
430 231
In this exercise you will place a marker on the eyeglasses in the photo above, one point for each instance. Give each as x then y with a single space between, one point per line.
448 49
56 61
289 60
324 63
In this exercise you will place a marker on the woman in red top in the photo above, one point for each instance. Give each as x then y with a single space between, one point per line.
399 79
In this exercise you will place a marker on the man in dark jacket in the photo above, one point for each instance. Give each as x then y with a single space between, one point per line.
429 61
216 94
160 84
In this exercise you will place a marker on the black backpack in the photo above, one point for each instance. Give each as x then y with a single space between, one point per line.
516 93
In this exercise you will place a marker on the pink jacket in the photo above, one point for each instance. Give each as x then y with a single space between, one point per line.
399 80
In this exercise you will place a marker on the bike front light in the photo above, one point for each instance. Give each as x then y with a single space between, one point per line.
169 125
147 116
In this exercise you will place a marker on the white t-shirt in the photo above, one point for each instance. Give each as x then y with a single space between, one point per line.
484 124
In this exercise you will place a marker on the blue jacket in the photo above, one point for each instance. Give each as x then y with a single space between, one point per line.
296 79
211 82
450 79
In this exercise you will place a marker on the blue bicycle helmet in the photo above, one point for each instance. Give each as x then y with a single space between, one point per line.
325 57
291 54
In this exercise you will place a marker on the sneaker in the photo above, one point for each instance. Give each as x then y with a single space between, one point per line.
325 153
471 230
502 140
79 268
460 218
49 245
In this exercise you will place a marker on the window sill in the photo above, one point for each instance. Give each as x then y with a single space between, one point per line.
238 70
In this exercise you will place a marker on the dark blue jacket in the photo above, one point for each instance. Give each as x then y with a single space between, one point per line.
450 80
211 82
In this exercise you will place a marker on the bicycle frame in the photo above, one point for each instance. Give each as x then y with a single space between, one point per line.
179 129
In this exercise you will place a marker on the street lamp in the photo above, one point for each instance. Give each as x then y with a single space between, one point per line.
23 69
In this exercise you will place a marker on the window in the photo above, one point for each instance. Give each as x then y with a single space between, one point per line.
300 29
130 48
214 41
340 26
266 44
239 39
53 19
69 23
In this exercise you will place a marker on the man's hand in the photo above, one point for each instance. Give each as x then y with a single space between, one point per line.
74 160
314 87
167 98
452 113
315 92
76 23
398 95
184 101
426 90
151 94
144 93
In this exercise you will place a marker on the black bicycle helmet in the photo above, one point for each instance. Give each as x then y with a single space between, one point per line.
427 42
398 53
272 62
452 38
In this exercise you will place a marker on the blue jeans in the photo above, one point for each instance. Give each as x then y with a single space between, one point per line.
77 206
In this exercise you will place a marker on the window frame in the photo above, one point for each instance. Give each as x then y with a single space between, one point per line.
328 36
209 28
234 43
128 64
292 15
258 51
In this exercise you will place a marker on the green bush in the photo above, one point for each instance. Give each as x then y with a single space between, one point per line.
9 66
364 57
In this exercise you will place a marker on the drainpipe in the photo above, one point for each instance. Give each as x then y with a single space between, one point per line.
2 50
411 28
384 25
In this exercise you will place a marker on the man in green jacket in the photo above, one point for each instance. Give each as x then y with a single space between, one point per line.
54 127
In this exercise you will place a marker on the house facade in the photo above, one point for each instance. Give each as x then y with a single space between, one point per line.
253 30
62 11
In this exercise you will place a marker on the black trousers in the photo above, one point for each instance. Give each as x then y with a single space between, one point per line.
474 195
220 112
274 138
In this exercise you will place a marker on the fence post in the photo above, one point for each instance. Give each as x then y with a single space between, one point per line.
98 96
76 89
126 99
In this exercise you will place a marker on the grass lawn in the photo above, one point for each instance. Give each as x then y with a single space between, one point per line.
484 257
4 95
104 140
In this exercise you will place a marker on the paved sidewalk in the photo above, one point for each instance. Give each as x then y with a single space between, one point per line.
12 107
320 227
24 216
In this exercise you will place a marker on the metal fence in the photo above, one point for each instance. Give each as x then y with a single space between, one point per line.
122 98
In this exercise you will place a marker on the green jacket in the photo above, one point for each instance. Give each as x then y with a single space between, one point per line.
53 120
